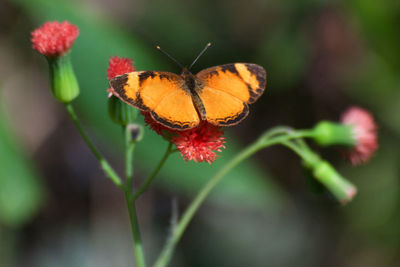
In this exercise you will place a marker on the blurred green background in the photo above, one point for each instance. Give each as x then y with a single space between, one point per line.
321 56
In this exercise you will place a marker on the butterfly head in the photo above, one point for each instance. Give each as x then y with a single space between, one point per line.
186 72
189 78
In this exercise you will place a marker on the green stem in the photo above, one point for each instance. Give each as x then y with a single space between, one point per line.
130 203
278 135
148 181
301 152
288 131
137 242
341 188
103 162
129 148
178 231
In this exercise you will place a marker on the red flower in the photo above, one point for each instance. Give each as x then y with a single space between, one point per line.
198 144
118 66
55 38
365 134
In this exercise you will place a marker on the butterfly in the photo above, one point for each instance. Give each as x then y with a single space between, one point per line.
219 95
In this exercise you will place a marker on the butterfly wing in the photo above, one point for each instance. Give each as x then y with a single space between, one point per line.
160 93
227 89
221 108
242 80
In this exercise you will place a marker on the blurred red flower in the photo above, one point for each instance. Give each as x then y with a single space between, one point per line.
118 66
365 134
54 38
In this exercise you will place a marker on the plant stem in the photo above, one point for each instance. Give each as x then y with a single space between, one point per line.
148 181
103 162
300 152
137 242
178 231
129 148
289 133
277 135
342 189
130 203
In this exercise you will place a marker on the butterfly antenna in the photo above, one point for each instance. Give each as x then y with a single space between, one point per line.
201 53
168 55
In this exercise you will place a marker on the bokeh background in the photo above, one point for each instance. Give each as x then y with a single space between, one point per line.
321 56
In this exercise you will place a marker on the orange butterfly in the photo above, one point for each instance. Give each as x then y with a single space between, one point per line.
219 95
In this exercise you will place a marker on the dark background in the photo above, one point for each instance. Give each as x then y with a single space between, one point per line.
321 56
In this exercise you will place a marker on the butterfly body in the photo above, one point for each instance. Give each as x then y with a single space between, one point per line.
219 95
194 86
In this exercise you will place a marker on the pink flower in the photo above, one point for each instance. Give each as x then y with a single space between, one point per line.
199 144
365 134
54 38
118 66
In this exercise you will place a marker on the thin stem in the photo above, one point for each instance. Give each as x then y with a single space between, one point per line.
295 148
137 242
178 231
103 162
275 131
278 135
148 181
130 203
271 137
288 132
129 148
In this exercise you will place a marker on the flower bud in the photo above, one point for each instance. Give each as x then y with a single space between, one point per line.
328 133
54 40
120 112
323 171
64 85
136 131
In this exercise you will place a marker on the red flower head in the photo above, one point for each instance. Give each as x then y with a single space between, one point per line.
118 66
198 144
365 134
55 38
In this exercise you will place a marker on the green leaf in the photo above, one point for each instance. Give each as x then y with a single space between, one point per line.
21 191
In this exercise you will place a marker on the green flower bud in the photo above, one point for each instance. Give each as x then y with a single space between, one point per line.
324 172
64 85
136 131
342 189
120 112
328 133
